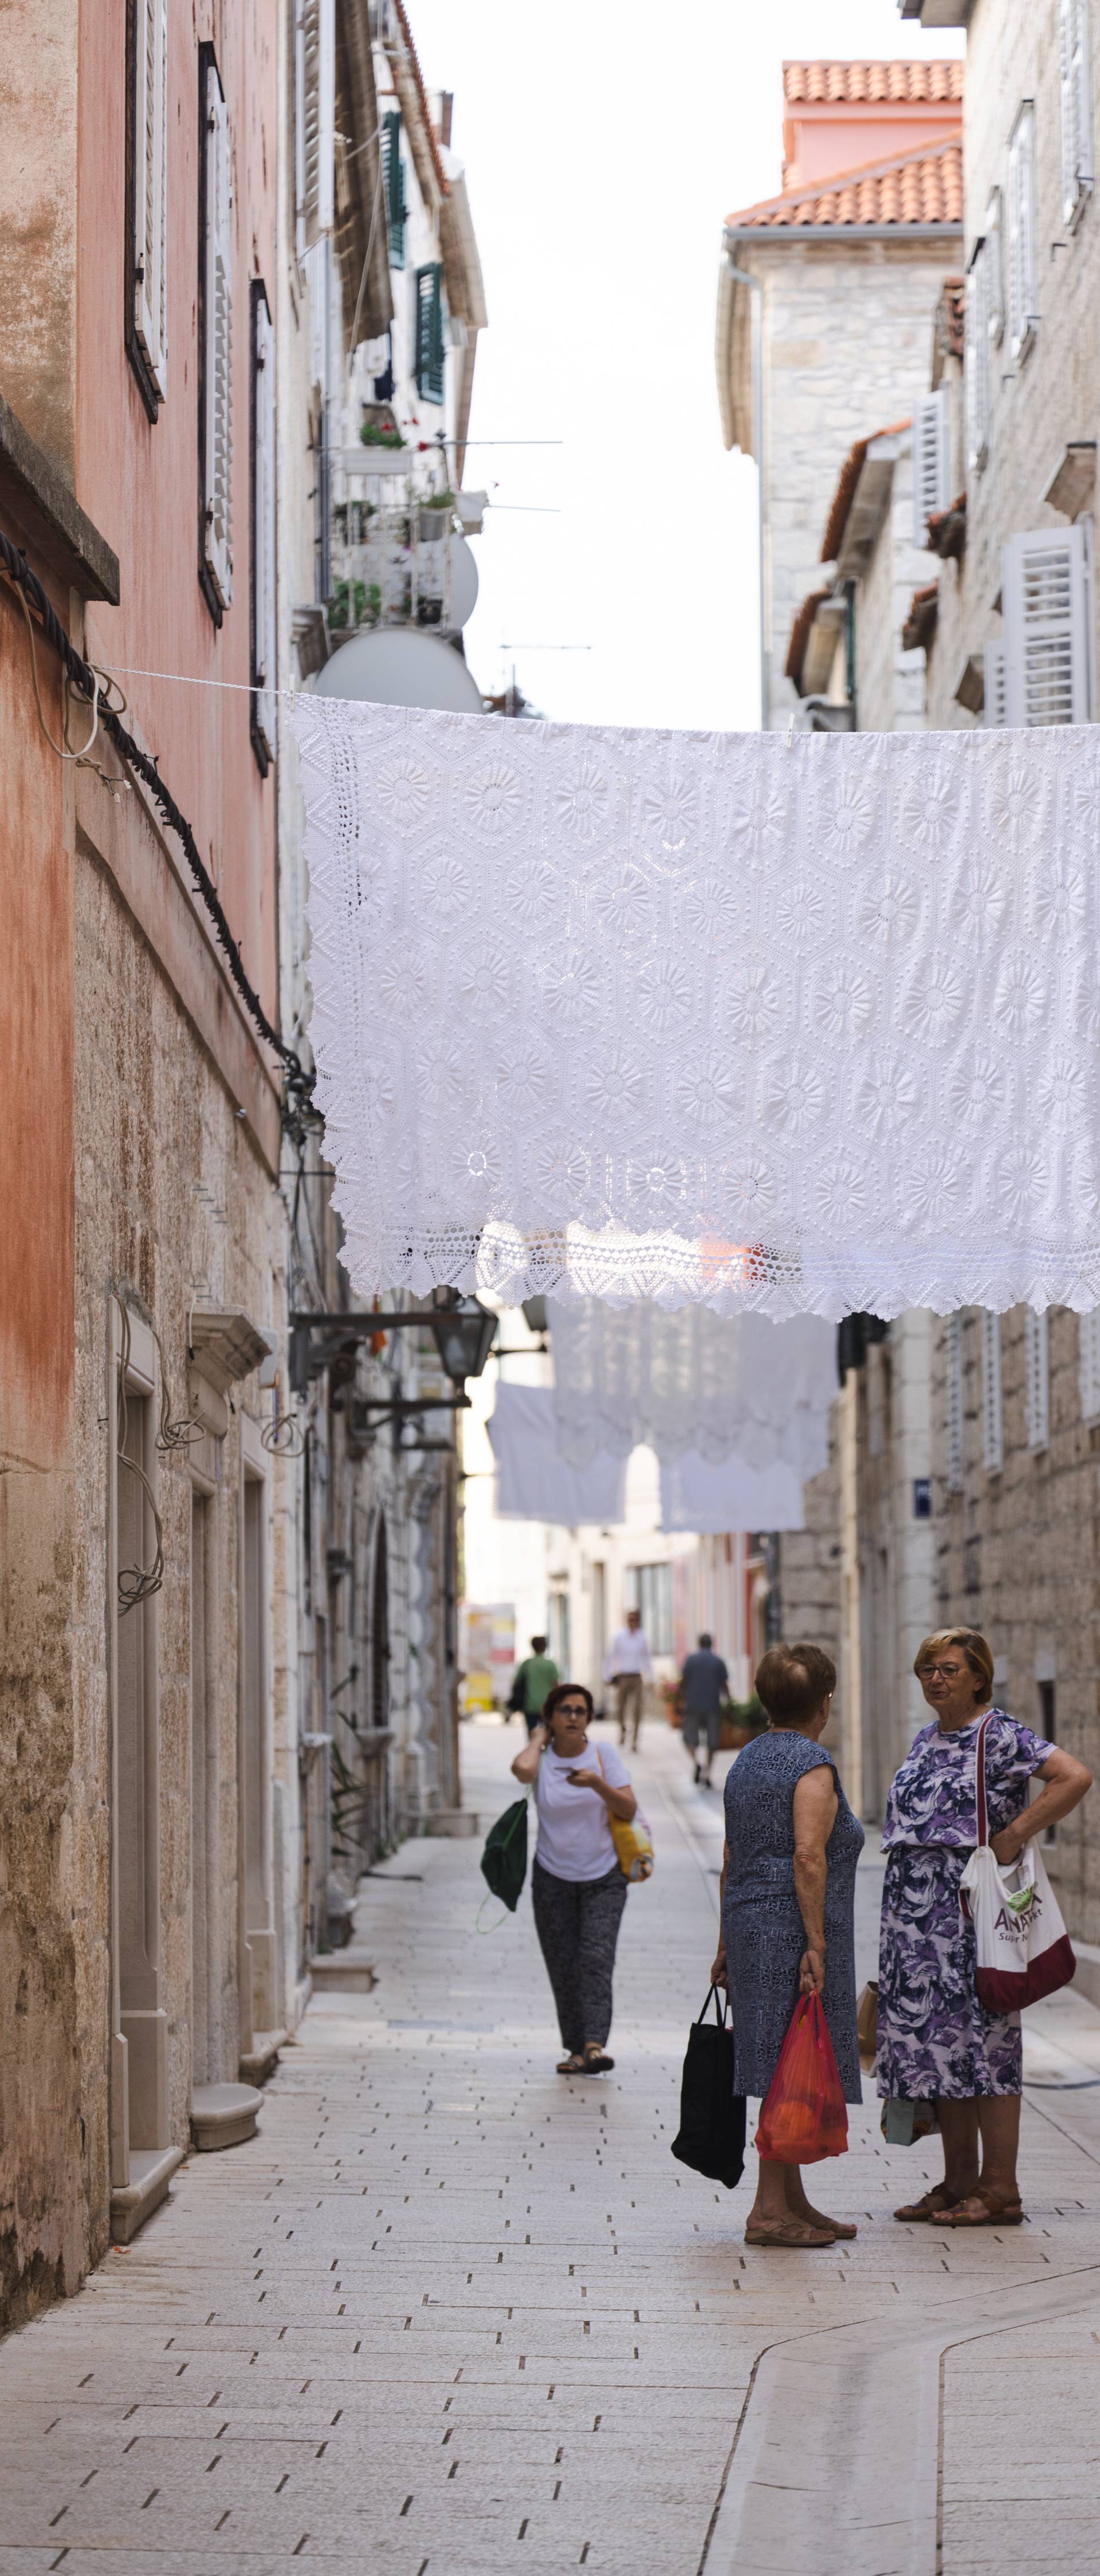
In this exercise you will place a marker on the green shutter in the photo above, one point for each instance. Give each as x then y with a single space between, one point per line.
393 181
429 333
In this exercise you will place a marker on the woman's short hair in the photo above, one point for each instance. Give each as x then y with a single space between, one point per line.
792 1681
567 1690
968 1642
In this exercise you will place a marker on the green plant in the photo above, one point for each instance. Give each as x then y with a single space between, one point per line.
438 501
374 435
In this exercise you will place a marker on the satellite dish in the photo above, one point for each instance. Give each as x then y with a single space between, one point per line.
464 584
400 666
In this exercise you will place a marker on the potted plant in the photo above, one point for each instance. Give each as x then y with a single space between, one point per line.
741 1720
435 514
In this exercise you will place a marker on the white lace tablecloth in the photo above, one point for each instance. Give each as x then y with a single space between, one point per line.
725 1386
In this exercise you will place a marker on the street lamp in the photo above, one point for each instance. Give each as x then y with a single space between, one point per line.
463 1336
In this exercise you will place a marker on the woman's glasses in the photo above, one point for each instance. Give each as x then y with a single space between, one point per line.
950 1672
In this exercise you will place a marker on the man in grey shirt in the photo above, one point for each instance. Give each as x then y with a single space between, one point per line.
704 1684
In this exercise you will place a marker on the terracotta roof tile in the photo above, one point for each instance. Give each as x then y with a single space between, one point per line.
920 625
910 84
847 480
924 186
800 635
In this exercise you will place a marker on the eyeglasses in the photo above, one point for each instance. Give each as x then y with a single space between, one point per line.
571 1708
950 1672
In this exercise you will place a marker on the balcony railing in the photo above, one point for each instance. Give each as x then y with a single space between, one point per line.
391 544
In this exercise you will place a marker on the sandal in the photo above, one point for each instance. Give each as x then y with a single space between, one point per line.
920 2213
992 2211
791 2232
574 2065
595 2063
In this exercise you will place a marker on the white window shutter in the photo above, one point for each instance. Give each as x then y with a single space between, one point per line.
218 344
931 460
1038 1378
318 97
977 356
1046 586
994 706
1090 1365
264 629
151 186
993 1443
994 267
1021 228
1076 102
954 1404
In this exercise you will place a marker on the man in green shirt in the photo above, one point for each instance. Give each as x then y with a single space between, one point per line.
536 1677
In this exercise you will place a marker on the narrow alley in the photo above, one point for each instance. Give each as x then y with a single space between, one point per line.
446 2312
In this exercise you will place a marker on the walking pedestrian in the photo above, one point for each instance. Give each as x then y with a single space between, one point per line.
788 1906
628 1664
577 1887
935 2040
704 1684
535 1677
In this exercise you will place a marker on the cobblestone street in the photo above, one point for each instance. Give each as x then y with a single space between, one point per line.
448 2313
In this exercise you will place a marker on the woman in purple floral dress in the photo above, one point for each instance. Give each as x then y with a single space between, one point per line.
935 2041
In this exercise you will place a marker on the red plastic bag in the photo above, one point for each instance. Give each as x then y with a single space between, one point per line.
805 2116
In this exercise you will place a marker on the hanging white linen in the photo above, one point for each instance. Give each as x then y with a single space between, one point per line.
721 1384
698 1495
704 1017
534 1481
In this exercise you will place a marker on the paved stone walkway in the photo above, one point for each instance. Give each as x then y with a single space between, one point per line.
449 2313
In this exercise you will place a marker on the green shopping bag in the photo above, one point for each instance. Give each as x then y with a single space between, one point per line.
504 1859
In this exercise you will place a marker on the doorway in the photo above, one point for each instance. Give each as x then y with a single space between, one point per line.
204 1799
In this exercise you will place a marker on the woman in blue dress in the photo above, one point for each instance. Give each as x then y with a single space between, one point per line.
935 2040
788 1900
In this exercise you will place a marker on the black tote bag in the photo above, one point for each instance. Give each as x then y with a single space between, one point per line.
712 2116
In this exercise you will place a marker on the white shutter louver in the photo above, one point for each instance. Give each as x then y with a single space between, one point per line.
217 348
978 335
264 645
954 1404
1021 230
1075 75
317 95
993 1444
150 187
1046 583
993 244
1037 1342
1090 1365
931 460
994 708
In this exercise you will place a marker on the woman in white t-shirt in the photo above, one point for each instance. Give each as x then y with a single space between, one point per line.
577 1886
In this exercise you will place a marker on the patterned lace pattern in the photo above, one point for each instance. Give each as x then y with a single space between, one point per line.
724 1386
707 1018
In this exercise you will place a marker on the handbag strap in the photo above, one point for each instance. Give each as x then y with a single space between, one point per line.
979 1782
721 2006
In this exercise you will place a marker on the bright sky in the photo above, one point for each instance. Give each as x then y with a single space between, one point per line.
604 141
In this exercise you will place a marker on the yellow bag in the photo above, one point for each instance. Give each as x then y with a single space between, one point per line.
633 1842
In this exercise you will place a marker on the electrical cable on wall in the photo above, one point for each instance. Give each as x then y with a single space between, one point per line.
13 563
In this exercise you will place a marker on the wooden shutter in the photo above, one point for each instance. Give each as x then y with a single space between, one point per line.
150 187
1037 1342
978 336
393 182
993 1445
1076 106
931 460
1090 1365
954 1404
1046 584
317 179
1021 229
429 332
994 708
217 343
264 633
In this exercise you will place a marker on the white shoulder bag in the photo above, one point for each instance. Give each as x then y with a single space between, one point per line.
1023 1947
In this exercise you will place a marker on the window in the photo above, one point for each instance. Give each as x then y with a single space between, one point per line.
1037 1347
147 200
648 1588
1076 107
263 599
215 341
1090 1366
994 702
931 460
393 183
978 334
429 333
314 120
954 1357
993 1446
1021 232
1046 584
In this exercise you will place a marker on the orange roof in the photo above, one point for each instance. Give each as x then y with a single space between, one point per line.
924 186
909 84
845 492
418 82
800 636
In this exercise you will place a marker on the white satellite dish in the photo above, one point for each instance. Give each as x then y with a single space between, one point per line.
464 583
400 666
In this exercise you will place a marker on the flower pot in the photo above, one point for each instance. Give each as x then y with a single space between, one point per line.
434 525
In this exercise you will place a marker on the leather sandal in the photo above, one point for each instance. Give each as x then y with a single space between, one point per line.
595 2063
574 2065
797 2234
992 2210
931 2206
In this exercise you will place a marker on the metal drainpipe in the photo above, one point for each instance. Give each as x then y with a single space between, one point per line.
755 285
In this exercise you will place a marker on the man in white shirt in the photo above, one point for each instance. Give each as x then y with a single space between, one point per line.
628 1664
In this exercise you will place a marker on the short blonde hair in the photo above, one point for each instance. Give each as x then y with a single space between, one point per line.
970 1642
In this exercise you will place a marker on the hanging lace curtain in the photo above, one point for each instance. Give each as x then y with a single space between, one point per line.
698 1495
708 1018
534 1481
723 1385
